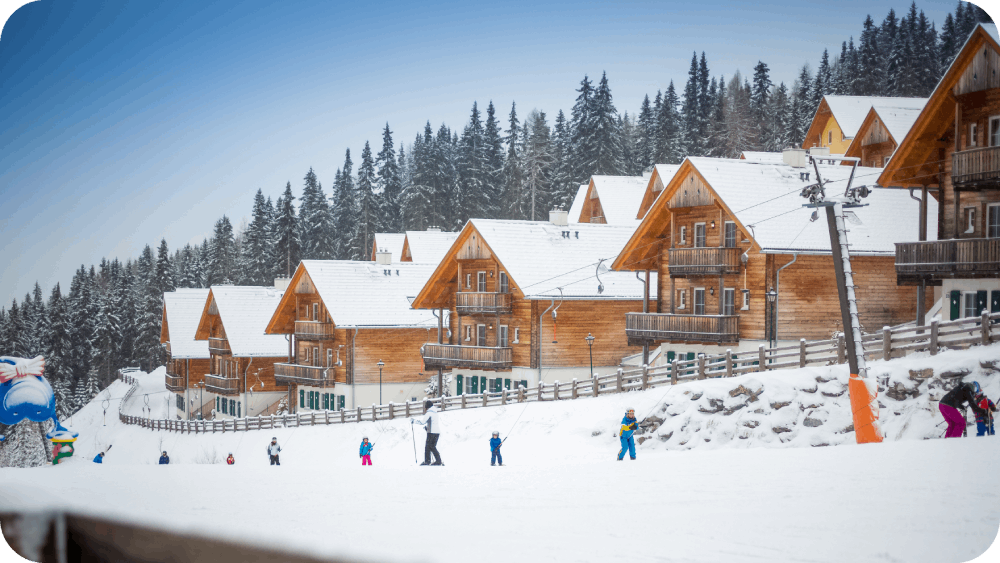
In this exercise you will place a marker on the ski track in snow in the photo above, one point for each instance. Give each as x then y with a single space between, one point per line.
562 495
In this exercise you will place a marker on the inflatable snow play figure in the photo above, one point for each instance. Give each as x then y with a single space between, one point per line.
25 394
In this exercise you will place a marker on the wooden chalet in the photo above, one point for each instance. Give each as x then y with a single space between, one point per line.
241 379
388 242
661 176
426 247
342 318
188 359
951 154
612 200
721 230
885 125
836 122
522 297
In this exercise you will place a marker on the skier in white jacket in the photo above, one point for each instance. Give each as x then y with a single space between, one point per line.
273 449
431 421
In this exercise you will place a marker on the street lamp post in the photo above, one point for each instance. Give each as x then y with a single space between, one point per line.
590 345
771 296
381 364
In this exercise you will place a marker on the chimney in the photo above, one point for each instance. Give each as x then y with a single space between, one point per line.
819 151
795 158
281 284
433 229
383 256
559 217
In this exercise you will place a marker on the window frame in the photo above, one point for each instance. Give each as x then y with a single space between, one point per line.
698 291
481 281
503 336
481 335
504 283
468 281
992 230
329 357
682 299
746 300
704 235
973 138
994 140
969 219
966 296
315 356
683 236
725 234
315 312
728 301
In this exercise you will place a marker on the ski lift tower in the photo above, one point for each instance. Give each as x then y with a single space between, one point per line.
863 390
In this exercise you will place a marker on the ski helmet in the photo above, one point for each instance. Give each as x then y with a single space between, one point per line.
274 438
495 433
630 410
975 385
364 437
428 404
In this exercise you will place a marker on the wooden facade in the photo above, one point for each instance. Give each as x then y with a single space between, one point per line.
825 131
873 144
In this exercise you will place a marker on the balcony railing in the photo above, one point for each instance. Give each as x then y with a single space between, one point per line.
313 330
222 385
975 167
174 383
470 357
946 259
471 303
218 345
303 375
704 261
716 329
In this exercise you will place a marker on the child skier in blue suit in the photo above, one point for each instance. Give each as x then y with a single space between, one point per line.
365 453
629 425
495 443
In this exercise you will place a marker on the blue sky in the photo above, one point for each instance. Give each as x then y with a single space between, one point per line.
126 122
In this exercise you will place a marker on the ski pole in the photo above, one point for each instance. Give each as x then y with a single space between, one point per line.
414 442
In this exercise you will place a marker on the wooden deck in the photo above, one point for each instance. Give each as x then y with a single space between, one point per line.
946 259
976 168
218 345
222 385
704 261
313 330
447 356
471 303
653 327
174 383
303 375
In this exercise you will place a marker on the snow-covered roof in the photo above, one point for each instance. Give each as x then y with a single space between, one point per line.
850 111
620 198
183 311
368 294
393 242
540 259
767 197
898 114
245 312
577 208
429 247
765 157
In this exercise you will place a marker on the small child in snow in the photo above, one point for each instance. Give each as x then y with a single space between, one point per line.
230 460
366 451
495 443
99 458
984 420
164 460
629 426
273 449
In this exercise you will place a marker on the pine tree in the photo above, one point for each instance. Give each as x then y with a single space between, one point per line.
163 275
473 168
646 125
563 189
345 213
286 235
80 311
38 319
65 405
315 221
538 164
418 194
823 84
513 175
606 140
58 342
24 446
108 334
669 129
690 112
494 162
869 66
222 256
582 152
949 41
389 185
257 251
759 104
368 205
778 111
15 332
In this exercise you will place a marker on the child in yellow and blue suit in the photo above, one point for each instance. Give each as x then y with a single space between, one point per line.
629 426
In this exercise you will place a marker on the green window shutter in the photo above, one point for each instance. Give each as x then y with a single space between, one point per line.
506 383
980 302
326 401
217 407
671 355
343 401
458 384
482 384
524 383
995 301
474 384
239 408
956 304
302 398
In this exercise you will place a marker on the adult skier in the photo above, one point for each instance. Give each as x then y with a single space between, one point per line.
230 460
495 443
431 422
962 394
164 460
273 449
366 451
629 425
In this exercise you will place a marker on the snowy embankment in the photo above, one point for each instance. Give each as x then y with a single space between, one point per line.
562 495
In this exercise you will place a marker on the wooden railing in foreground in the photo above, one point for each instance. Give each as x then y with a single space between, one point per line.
888 343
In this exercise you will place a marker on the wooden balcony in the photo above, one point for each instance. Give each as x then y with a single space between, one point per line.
947 259
473 303
174 383
303 375
313 330
704 261
447 356
222 385
218 346
976 168
712 329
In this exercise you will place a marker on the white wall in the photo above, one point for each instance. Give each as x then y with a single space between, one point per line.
366 394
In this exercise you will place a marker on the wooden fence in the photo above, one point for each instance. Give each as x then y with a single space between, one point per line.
888 343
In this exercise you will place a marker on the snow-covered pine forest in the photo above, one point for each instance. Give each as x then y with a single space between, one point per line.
515 166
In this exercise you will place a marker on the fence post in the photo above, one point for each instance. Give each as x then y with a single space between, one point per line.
802 352
555 391
701 366
463 399
645 376
618 381
486 397
343 416
392 410
359 415
729 362
573 392
407 409
595 388
761 358
841 348
886 343
520 394
985 327
503 396
934 338
673 371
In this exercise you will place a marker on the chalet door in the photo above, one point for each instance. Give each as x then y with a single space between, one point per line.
730 239
481 282
993 221
699 301
699 235
729 302
480 335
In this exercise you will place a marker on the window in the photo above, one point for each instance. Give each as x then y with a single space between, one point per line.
729 302
682 296
684 231
699 235
503 337
329 358
468 281
746 300
480 335
993 221
305 356
885 161
699 301
315 312
995 131
504 283
517 334
316 356
969 213
969 304
468 333
481 282
730 238
973 134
